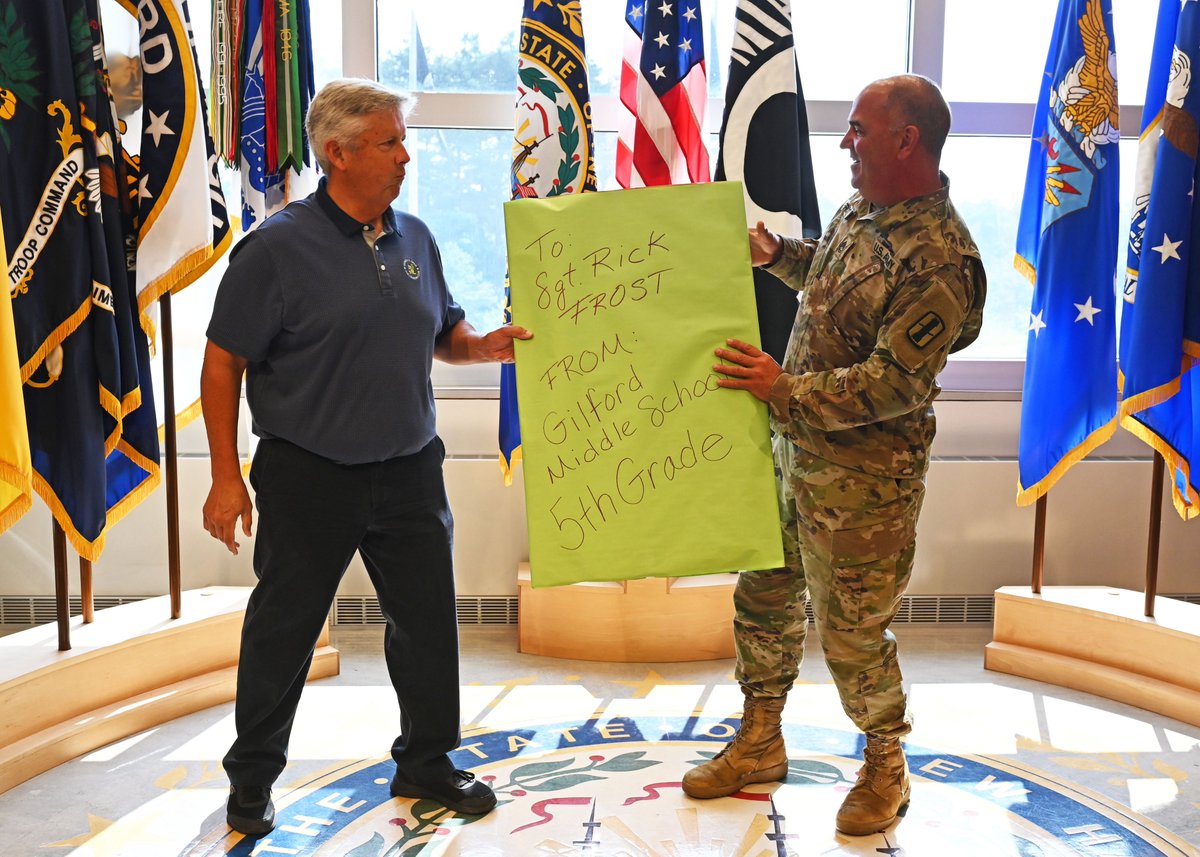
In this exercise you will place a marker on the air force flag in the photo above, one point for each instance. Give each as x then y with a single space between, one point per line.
1160 346
1067 247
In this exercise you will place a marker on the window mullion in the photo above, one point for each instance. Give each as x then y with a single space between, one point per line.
359 45
927 32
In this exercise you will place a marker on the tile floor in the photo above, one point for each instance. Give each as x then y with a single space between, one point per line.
586 758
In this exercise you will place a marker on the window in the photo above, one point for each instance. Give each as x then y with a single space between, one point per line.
841 47
461 60
997 52
469 46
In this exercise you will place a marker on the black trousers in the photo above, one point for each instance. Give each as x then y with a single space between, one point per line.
313 514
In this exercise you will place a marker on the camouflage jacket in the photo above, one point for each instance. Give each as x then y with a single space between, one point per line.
887 294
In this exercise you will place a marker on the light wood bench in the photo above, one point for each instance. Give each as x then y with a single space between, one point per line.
1096 639
660 619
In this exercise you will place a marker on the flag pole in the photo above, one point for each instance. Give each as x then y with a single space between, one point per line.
61 604
1153 539
413 83
1039 544
714 79
172 484
85 590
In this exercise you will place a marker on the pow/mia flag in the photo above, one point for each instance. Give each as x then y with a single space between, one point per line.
764 145
67 217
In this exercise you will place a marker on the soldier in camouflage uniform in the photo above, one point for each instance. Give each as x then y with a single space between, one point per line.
892 287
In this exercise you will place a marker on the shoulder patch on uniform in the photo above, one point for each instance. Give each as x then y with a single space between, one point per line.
882 250
926 328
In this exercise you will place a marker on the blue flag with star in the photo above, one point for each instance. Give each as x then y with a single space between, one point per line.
1067 247
1160 328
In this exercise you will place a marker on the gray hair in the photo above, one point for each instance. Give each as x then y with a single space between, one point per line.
338 111
914 99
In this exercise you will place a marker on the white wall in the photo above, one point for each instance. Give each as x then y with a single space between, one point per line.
973 538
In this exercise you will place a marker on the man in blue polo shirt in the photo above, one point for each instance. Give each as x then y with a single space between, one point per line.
334 309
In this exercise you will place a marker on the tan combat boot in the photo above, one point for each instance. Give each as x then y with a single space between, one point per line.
755 755
881 791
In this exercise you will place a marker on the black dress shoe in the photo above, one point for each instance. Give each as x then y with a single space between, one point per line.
250 810
456 790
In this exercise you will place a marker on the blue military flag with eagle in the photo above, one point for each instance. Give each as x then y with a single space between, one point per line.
1160 328
182 227
182 224
68 214
1067 247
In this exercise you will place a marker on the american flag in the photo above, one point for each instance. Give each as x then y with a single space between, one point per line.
664 89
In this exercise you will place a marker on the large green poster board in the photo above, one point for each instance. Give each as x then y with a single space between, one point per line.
636 463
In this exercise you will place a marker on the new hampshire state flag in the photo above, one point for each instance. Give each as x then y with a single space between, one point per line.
552 148
1067 247
1160 329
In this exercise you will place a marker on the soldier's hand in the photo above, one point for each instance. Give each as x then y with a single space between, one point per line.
765 246
746 368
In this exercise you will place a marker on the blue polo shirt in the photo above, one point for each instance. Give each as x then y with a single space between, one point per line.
338 334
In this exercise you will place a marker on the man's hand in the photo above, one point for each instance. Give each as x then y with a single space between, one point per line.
497 346
765 246
463 344
747 368
227 501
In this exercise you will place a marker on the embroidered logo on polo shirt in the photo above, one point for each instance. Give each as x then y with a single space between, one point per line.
412 269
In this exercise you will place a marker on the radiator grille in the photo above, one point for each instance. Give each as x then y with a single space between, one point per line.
22 610
946 608
488 610
502 610
43 609
357 610
471 610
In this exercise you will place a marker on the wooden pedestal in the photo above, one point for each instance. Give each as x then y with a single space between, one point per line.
1095 639
132 668
645 621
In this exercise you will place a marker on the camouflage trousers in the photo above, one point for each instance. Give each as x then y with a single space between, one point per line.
849 543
